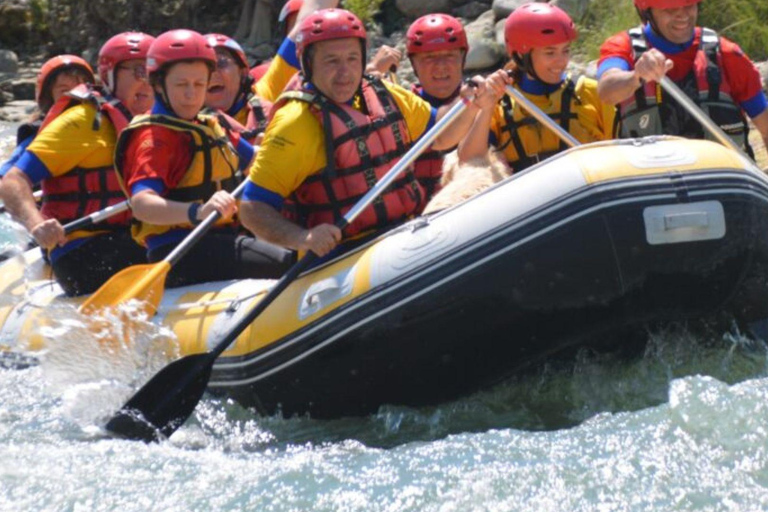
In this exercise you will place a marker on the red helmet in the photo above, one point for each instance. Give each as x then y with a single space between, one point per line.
290 7
535 25
179 45
119 48
663 4
325 25
259 71
49 71
226 42
435 32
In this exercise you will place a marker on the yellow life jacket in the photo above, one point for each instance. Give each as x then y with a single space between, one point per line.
524 141
214 166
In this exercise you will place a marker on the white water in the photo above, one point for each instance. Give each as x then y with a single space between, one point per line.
600 433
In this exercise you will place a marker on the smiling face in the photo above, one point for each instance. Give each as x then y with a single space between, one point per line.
676 25
337 68
186 84
225 81
439 72
132 87
550 62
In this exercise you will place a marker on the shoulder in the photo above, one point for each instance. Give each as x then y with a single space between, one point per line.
617 43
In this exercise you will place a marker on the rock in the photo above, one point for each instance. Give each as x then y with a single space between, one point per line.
9 62
502 8
24 89
17 111
470 10
500 40
575 8
484 51
762 67
417 8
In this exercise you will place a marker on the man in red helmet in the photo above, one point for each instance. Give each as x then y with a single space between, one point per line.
437 47
712 70
334 136
231 87
72 159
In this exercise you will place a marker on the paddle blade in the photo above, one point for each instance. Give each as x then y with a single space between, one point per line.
164 403
141 282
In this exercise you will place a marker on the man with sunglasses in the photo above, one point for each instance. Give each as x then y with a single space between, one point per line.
72 159
231 87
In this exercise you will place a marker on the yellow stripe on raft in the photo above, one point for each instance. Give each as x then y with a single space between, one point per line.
617 161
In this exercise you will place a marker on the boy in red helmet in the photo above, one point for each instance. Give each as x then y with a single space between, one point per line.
72 158
538 38
334 136
180 165
712 70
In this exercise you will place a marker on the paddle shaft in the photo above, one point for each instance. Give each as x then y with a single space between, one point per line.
717 132
96 217
165 402
199 231
416 150
541 117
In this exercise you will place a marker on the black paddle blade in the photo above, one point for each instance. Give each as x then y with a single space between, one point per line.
165 402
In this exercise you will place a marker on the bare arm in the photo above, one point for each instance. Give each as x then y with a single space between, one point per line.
151 208
475 144
616 85
761 123
16 194
267 223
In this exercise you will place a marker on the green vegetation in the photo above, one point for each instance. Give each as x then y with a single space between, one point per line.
39 10
743 21
364 9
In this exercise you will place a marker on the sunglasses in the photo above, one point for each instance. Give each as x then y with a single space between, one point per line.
223 62
139 71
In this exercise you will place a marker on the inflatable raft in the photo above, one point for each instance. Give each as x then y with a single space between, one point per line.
597 240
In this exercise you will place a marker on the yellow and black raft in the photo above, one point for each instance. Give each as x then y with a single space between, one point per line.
599 240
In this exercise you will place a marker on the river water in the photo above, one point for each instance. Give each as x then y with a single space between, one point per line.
682 426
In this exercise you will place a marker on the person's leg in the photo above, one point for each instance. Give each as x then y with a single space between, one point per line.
222 256
84 269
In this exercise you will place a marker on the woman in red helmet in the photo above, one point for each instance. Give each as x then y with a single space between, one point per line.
334 136
179 166
538 38
437 47
712 70
231 88
72 159
57 76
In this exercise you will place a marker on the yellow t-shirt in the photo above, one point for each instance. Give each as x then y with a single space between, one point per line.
594 121
70 141
294 148
278 74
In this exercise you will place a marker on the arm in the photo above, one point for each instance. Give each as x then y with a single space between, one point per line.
761 123
152 208
616 85
267 223
475 144
487 91
16 194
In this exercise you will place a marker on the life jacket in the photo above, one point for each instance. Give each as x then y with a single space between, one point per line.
259 111
428 168
28 130
83 191
214 165
518 124
652 111
360 148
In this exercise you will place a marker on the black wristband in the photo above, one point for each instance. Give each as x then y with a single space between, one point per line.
192 214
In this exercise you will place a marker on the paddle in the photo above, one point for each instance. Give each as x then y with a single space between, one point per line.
147 282
701 116
165 402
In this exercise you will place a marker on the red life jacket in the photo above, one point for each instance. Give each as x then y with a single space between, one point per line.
360 149
83 191
651 111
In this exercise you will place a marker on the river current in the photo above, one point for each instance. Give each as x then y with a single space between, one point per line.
681 426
